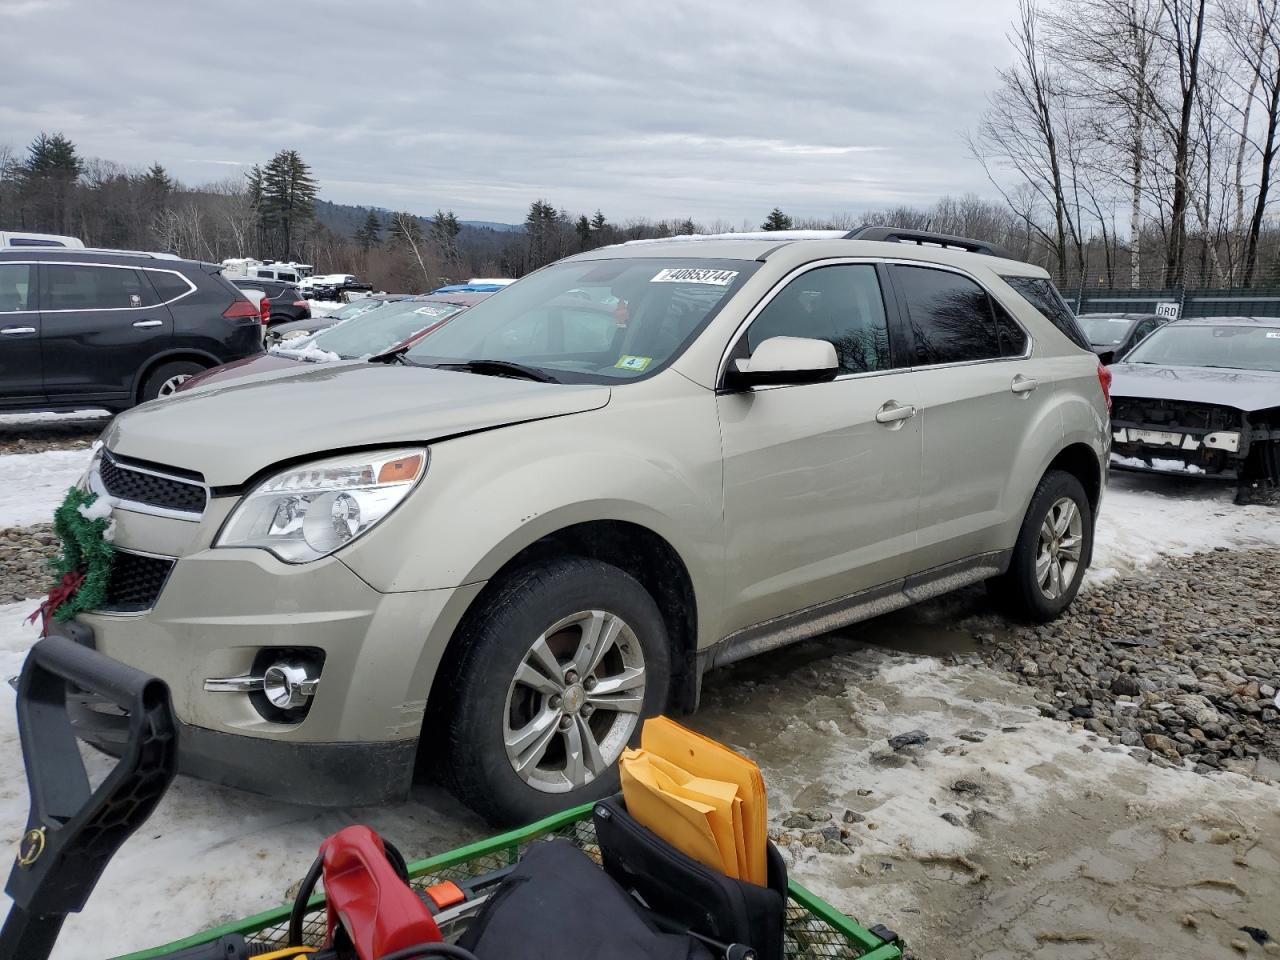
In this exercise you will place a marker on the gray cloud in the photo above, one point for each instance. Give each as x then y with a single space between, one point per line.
717 109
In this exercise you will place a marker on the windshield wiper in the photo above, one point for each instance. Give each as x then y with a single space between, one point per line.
500 368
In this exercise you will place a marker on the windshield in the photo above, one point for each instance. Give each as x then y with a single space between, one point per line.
357 307
1212 345
595 321
1106 331
377 331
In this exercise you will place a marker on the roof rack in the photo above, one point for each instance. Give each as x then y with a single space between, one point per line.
749 235
124 253
925 238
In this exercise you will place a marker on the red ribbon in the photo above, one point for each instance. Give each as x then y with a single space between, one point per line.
59 595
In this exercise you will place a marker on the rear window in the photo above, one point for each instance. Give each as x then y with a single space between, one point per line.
953 320
1044 296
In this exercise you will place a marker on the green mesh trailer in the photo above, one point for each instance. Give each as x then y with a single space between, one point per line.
815 930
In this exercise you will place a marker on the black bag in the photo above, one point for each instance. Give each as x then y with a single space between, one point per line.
680 888
558 905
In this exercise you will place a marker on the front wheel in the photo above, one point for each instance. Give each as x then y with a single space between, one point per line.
561 665
1052 552
168 377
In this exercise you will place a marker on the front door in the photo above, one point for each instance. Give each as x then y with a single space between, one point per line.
20 379
820 480
100 326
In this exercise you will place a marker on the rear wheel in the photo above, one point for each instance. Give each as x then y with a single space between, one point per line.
561 665
165 380
1052 552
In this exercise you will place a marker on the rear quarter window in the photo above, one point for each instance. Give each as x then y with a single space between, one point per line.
169 286
1043 295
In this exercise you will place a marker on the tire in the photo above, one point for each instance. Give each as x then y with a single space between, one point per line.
166 377
489 707
1042 579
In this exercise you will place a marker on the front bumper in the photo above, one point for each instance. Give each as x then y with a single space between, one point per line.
220 608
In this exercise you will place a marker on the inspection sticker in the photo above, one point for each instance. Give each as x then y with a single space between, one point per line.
717 278
633 363
440 310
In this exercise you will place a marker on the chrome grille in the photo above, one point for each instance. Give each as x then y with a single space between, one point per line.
137 484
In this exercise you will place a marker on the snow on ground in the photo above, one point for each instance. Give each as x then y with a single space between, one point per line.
1146 517
33 484
35 419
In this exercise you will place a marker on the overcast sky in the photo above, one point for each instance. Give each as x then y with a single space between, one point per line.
708 109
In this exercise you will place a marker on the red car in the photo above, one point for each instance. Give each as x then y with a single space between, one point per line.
388 327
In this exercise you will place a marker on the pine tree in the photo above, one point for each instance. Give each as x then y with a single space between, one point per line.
777 220
444 234
369 235
583 229
542 225
288 200
598 222
48 178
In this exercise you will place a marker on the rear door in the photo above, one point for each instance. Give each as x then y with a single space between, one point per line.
20 378
100 325
981 394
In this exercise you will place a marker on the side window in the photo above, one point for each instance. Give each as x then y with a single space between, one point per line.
840 304
73 286
951 317
169 286
15 287
1044 296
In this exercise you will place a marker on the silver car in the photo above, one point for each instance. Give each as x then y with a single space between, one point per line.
494 553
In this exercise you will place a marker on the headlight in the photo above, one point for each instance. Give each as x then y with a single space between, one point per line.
309 511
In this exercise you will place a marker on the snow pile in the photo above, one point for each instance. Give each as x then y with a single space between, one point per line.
1146 517
323 308
1169 466
25 419
307 351
33 484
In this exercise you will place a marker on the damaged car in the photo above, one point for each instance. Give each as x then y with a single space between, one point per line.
1201 397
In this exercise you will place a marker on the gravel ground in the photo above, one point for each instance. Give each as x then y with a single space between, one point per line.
36 433
25 553
1181 666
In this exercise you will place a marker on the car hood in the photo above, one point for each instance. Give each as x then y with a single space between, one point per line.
254 366
229 432
1246 390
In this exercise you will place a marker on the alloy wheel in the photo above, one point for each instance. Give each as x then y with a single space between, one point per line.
1059 550
170 386
574 702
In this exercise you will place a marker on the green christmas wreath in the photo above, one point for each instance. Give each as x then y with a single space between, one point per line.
83 565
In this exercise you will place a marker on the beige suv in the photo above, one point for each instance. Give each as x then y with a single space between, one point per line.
498 550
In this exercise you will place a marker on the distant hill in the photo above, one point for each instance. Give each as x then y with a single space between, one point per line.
346 219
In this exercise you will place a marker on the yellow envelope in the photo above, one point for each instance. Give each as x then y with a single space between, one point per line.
709 760
683 823
726 821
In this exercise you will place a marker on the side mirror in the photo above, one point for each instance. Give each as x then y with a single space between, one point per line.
1107 357
785 360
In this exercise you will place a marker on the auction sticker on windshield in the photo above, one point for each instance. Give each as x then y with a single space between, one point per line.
716 278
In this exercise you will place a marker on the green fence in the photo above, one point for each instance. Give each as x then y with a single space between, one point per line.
1224 302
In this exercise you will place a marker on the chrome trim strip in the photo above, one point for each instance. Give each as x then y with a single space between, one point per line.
191 287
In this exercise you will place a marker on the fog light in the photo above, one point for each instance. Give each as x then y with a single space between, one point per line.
288 685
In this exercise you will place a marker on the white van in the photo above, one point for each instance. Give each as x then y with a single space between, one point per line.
18 238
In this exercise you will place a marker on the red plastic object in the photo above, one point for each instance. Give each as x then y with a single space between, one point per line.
378 910
1104 378
241 308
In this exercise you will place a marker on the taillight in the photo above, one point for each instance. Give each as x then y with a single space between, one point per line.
239 309
300 303
1104 378
265 306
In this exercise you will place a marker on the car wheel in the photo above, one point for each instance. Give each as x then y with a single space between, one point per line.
166 378
1052 552
560 667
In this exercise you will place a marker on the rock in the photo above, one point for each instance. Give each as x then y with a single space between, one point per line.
1081 712
972 736
1240 945
1260 936
1246 767
953 819
1157 743
1029 668
831 832
889 760
834 847
851 816
1125 685
967 786
817 816
909 739
797 821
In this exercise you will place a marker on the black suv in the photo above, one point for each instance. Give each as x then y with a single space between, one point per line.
286 301
111 328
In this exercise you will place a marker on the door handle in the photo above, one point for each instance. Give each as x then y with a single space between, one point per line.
147 323
894 412
1023 385
17 331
